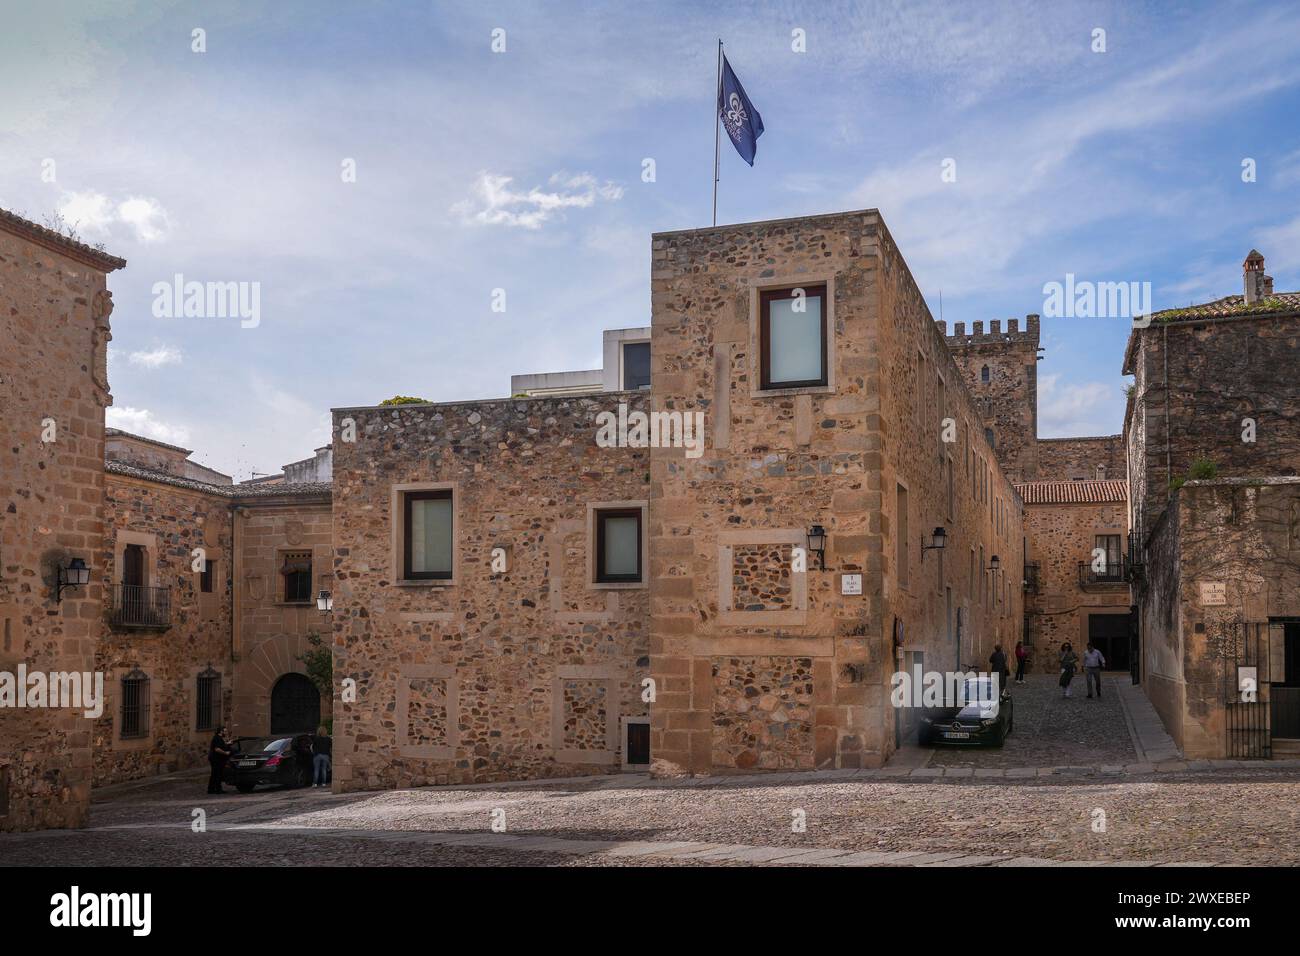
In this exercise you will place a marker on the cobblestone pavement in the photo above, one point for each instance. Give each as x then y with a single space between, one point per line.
1235 815
1051 730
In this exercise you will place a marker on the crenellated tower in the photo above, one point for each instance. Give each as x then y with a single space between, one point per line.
1001 371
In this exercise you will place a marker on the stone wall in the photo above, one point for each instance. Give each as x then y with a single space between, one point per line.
270 635
1228 555
491 676
950 609
1075 458
170 522
54 330
1060 537
1001 372
1220 372
780 461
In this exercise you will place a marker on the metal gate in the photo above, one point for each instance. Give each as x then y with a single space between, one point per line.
1245 684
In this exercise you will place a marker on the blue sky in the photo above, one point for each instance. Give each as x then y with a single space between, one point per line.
521 170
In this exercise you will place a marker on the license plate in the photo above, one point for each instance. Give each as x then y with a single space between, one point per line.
248 763
955 735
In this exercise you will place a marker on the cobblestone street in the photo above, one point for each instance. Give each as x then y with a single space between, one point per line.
1241 815
1051 730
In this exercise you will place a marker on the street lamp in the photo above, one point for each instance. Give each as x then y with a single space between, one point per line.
937 541
324 601
74 575
817 544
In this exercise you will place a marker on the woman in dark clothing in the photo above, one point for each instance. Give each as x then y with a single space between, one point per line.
1021 656
998 665
218 754
1069 661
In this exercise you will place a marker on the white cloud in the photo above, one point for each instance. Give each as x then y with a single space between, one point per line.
141 421
494 203
1068 410
93 215
156 357
146 216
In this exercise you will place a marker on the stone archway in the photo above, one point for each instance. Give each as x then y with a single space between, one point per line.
295 705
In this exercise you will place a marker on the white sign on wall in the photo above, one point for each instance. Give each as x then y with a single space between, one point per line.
850 584
1213 592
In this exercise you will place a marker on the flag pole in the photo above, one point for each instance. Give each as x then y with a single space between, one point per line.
717 122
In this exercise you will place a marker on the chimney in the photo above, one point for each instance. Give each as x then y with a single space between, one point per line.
1257 285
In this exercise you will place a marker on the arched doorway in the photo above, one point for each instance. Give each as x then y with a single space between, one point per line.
295 705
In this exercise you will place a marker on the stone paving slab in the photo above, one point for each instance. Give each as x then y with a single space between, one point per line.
966 861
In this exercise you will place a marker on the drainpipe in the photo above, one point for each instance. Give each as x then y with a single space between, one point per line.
236 592
1169 472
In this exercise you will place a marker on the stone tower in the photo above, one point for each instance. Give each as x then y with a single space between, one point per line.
1001 371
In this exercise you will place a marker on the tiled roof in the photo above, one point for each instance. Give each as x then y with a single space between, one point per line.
118 433
1073 492
57 241
1280 303
233 492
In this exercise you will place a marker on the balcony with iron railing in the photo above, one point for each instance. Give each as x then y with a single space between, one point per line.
1113 574
1031 577
135 606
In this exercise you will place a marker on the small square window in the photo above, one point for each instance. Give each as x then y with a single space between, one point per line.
792 337
296 572
636 365
427 535
618 545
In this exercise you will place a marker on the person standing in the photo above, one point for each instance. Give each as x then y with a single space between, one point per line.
1069 661
218 754
1021 656
322 746
1093 662
998 665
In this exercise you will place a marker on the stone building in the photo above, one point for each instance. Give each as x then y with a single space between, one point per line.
1212 430
711 554
831 402
1076 579
210 601
491 597
1001 371
54 333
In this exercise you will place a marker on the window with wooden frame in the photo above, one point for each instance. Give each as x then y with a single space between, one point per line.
792 337
427 535
618 545
296 573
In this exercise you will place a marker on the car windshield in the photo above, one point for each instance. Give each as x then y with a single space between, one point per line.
251 745
980 690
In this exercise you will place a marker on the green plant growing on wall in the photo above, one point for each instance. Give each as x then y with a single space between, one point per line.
404 400
319 660
1202 469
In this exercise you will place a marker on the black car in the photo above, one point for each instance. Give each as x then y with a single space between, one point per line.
977 720
282 760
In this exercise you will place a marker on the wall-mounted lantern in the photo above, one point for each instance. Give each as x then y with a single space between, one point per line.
75 575
817 544
324 601
937 541
994 564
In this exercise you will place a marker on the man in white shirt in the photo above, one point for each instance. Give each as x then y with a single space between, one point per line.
1093 662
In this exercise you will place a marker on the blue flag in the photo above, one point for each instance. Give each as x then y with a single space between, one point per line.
739 118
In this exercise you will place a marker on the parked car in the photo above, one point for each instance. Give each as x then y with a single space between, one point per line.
982 718
281 760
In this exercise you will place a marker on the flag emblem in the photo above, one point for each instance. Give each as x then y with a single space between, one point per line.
739 118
